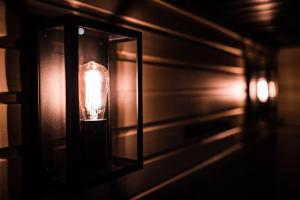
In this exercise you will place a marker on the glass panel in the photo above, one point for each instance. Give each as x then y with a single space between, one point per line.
108 101
93 74
93 86
123 73
52 102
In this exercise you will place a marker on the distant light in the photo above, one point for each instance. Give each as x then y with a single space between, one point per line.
252 90
272 89
262 90
80 31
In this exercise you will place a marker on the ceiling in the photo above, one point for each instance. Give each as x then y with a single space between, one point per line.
271 22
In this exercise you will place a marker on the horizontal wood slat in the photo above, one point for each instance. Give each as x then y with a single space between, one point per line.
168 47
168 78
201 20
155 60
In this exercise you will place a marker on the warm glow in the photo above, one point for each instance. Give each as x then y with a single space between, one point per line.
238 90
262 90
272 89
93 89
252 90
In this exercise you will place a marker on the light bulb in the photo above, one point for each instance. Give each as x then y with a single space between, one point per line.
93 89
262 90
272 89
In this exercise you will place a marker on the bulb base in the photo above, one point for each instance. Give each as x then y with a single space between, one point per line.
94 143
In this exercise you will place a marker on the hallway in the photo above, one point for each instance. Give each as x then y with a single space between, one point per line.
270 169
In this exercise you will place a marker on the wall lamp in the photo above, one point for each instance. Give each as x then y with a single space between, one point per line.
89 100
266 90
262 90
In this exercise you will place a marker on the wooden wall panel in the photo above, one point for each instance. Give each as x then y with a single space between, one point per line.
171 107
168 136
289 84
172 78
172 92
167 47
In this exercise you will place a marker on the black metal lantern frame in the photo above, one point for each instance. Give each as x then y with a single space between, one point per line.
84 151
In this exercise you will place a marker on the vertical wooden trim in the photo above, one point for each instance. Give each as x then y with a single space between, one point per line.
3 126
3 79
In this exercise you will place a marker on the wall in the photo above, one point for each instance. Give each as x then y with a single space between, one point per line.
194 92
288 66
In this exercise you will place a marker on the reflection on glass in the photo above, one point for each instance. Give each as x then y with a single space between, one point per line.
272 89
262 90
93 89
